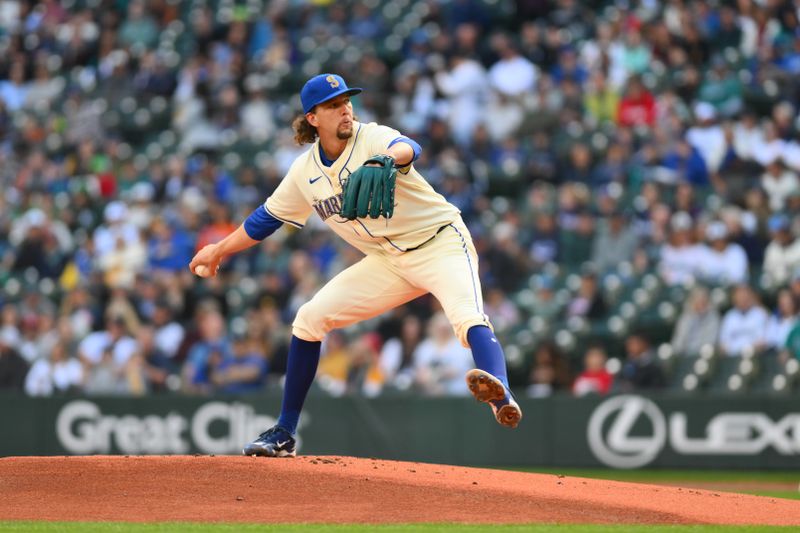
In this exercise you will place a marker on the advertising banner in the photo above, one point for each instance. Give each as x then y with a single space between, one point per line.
626 431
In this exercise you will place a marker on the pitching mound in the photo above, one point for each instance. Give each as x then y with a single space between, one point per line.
344 489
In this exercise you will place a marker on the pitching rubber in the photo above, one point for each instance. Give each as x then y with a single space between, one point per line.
487 388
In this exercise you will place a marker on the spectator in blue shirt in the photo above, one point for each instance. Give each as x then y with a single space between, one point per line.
684 159
244 369
207 353
169 248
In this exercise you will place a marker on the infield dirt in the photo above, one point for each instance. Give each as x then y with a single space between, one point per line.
349 490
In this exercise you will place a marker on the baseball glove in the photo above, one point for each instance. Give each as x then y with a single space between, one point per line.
370 189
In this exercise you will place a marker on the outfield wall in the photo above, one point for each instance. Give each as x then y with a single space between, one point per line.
618 431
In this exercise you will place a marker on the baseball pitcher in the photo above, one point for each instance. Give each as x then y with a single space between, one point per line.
361 181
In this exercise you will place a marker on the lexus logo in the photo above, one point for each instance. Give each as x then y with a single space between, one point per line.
610 426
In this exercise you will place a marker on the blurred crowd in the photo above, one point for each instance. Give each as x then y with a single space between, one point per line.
605 139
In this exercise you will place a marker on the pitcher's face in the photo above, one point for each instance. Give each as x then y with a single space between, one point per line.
334 117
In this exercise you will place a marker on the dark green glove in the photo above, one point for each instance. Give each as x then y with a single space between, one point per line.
370 190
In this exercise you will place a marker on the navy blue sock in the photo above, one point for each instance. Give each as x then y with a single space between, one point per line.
300 371
487 352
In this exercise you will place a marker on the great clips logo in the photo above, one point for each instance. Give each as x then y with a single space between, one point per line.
215 427
630 431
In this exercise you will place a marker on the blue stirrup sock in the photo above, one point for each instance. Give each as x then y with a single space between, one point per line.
301 368
487 352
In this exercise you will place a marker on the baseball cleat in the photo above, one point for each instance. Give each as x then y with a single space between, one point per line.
274 442
488 389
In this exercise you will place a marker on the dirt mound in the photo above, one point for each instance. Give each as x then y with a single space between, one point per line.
345 489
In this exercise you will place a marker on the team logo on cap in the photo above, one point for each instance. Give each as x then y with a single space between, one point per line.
333 81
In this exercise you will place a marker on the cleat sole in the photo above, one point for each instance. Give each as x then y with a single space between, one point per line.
509 415
488 389
485 387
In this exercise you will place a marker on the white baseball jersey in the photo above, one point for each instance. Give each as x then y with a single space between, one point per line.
310 186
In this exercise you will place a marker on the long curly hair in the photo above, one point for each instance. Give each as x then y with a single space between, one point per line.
304 133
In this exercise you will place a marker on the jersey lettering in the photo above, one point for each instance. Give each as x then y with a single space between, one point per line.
328 207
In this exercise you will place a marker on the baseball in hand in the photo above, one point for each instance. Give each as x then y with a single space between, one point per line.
202 270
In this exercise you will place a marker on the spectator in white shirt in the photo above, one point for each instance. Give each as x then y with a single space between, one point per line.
256 115
770 147
143 210
512 75
681 257
44 89
723 262
782 321
58 374
708 137
117 226
440 361
414 99
615 241
782 255
465 87
778 182
13 91
118 247
397 354
747 136
169 334
744 325
606 50
114 339
36 218
698 324
791 155
505 116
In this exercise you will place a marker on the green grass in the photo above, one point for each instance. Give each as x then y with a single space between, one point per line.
652 475
90 527
793 495
672 477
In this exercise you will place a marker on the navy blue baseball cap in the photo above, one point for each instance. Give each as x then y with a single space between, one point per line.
322 88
